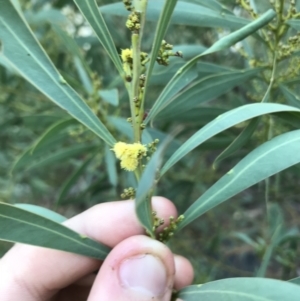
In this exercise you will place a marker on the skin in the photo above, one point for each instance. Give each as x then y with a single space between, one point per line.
30 273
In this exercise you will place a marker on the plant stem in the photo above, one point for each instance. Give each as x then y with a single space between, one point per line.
135 102
267 181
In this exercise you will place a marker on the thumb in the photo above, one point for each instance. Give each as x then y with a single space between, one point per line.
137 269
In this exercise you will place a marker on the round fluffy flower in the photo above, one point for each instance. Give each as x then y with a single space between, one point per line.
129 154
126 55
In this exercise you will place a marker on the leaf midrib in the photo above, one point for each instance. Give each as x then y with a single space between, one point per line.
194 138
242 172
51 231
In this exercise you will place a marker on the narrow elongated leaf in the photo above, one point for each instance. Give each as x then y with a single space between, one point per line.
268 253
221 44
18 225
268 159
49 214
222 123
212 4
143 207
291 97
60 155
172 88
72 47
241 289
205 68
239 142
83 75
110 160
295 280
245 135
92 14
188 51
67 185
204 90
27 157
161 29
185 13
22 50
198 115
146 184
242 33
294 23
110 96
51 132
50 15
41 160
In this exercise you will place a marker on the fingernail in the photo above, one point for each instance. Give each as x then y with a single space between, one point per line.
145 274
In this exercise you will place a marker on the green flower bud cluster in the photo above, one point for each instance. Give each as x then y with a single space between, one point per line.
245 4
157 222
128 193
286 50
165 52
128 4
168 232
152 146
133 22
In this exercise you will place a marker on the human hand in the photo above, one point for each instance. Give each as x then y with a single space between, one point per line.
137 269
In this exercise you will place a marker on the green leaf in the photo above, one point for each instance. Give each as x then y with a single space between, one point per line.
61 155
184 13
51 132
202 91
291 119
295 281
18 225
83 75
110 96
221 44
292 98
160 32
222 123
294 23
92 14
22 50
275 236
268 252
27 157
245 135
50 15
199 115
72 47
242 33
205 68
49 214
42 160
110 160
143 207
268 159
239 142
212 4
171 89
68 184
145 188
241 289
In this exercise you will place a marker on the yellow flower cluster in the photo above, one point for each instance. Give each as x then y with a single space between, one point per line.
126 55
129 154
